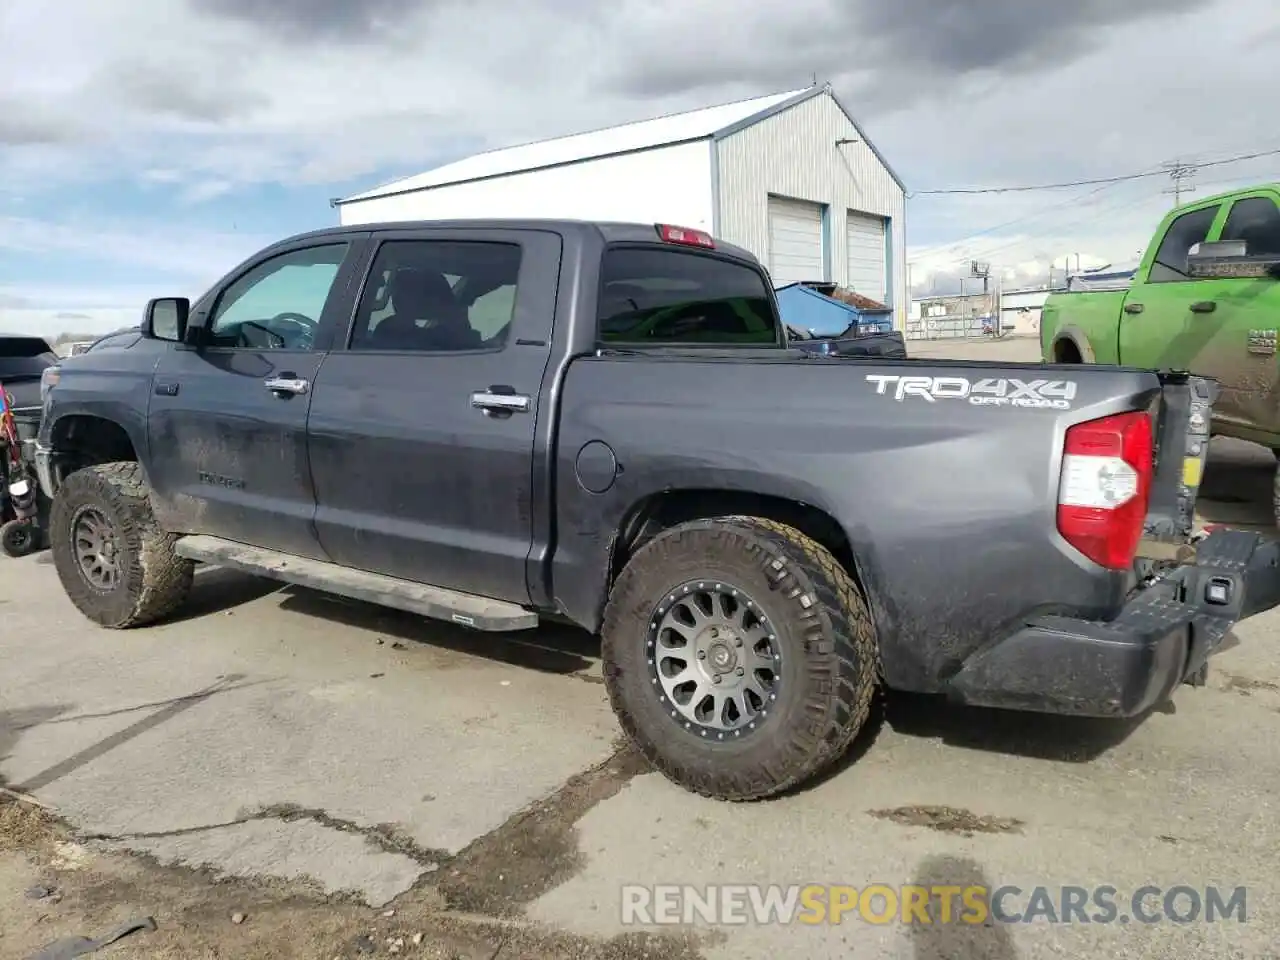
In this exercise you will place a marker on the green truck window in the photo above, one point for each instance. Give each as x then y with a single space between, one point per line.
1255 220
1170 264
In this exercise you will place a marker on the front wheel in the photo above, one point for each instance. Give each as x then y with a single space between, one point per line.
19 538
739 656
116 564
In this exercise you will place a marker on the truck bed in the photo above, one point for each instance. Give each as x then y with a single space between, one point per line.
948 503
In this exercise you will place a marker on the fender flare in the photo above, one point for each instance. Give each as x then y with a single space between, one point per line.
1077 337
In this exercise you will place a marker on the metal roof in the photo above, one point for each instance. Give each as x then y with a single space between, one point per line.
708 123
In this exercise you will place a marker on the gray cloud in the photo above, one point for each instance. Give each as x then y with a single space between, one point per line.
343 20
888 52
177 89
11 301
24 124
952 37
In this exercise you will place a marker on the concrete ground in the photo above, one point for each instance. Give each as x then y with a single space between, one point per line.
348 781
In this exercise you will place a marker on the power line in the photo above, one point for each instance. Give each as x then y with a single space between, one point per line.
1164 171
1082 212
1073 202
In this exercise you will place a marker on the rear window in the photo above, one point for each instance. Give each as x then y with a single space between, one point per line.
659 296
24 357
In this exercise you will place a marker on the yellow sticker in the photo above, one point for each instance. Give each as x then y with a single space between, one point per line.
1191 471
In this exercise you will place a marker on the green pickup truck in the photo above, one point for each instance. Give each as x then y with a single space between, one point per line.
1205 298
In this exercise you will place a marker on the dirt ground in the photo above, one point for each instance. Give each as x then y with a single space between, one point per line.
56 886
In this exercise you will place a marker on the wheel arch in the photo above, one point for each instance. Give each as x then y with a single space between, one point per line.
84 439
663 510
1071 338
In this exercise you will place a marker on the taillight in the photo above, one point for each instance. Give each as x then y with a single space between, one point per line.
1105 485
685 236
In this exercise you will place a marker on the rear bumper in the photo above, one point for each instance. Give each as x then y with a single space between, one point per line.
1123 667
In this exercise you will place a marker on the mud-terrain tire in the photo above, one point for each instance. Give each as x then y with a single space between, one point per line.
808 605
19 538
108 506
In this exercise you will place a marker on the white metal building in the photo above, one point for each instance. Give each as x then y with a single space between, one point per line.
791 177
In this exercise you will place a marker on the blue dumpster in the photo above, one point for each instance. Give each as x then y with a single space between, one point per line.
807 309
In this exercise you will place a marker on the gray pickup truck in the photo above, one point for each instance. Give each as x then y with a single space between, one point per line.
496 422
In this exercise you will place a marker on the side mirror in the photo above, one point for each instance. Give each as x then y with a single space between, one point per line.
166 319
1230 260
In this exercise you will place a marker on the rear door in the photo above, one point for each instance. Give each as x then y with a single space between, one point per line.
227 423
422 421
1158 327
1239 320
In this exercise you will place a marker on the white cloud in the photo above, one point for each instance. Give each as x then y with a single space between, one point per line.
207 96
165 249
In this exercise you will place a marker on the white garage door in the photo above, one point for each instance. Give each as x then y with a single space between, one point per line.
795 241
868 267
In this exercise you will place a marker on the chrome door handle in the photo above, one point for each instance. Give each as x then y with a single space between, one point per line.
500 402
287 384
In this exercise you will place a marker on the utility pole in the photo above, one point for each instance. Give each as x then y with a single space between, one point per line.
1181 174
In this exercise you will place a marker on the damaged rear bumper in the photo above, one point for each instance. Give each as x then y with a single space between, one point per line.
1125 666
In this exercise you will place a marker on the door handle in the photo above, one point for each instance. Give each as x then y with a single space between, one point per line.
287 384
491 402
1204 306
167 389
1133 308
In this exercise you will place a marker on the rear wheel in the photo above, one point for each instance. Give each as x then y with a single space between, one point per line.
115 562
1065 351
739 656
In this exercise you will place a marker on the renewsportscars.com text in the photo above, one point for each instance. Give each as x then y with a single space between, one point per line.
939 904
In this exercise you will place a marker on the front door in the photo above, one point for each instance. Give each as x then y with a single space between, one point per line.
228 421
422 430
1157 325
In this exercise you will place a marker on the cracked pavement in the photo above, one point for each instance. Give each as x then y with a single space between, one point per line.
361 756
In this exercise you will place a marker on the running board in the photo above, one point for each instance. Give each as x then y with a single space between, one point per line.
468 610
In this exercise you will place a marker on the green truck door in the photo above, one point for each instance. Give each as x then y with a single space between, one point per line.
1157 327
1240 349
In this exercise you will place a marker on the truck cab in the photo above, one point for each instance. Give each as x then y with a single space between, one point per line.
1173 316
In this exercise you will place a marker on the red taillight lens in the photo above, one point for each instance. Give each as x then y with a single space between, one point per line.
1105 486
685 236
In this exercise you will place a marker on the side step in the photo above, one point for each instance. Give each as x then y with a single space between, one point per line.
479 613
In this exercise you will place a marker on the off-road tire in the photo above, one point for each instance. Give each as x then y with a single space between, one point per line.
830 655
154 580
19 538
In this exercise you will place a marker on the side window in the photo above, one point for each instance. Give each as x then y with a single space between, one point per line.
1170 263
277 304
1255 220
438 296
654 296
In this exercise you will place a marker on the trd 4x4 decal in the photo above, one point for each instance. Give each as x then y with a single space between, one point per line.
988 392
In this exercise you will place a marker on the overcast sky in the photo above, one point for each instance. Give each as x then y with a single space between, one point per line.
145 147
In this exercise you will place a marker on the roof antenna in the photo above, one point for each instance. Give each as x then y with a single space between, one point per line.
814 81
